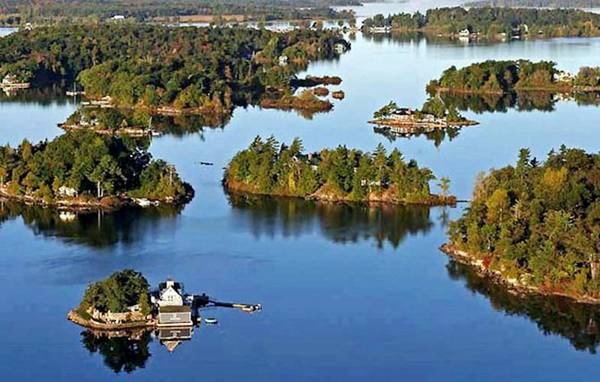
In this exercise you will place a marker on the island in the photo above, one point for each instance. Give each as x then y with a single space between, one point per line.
124 301
170 71
434 115
501 77
82 170
535 227
489 23
267 167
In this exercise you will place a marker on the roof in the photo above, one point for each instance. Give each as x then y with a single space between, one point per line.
174 309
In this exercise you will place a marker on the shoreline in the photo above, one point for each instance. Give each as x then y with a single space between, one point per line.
511 284
108 204
76 318
321 196
566 89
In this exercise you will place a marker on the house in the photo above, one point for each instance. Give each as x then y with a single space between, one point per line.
563 76
465 32
118 17
170 293
339 48
9 80
283 60
67 191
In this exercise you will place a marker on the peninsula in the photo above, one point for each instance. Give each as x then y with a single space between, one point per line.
535 227
124 301
338 175
82 170
169 71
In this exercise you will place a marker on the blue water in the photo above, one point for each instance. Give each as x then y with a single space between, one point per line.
349 293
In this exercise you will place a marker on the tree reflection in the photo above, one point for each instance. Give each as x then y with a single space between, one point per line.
121 351
96 229
576 322
339 222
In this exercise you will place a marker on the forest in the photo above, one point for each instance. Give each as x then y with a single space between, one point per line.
500 77
492 22
538 223
198 70
16 12
117 293
89 168
341 174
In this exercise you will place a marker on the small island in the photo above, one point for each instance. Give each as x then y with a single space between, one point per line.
337 175
535 227
82 170
124 301
502 77
433 116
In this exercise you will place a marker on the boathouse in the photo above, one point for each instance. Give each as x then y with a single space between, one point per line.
172 315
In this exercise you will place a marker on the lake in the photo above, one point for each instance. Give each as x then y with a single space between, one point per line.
348 292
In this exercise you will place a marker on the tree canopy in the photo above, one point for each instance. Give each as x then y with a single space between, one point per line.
116 293
268 167
539 221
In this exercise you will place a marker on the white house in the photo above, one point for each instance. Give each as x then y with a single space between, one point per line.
170 294
67 191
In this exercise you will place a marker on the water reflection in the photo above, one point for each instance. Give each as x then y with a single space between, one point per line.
50 95
95 229
124 351
578 323
339 222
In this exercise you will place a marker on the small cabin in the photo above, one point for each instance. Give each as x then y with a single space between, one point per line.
465 32
9 79
67 191
283 60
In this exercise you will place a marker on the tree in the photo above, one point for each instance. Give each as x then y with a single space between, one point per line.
444 185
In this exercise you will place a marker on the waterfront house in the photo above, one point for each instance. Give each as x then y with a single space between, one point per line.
176 316
170 293
171 308
67 191
465 32
283 60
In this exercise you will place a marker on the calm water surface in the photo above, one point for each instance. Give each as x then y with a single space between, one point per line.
348 292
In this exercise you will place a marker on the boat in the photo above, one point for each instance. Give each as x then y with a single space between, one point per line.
211 321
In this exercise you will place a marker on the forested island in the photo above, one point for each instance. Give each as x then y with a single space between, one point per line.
82 170
18 12
501 77
433 115
490 23
270 168
536 226
164 70
536 3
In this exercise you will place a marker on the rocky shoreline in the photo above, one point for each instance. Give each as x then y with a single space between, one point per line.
324 195
78 204
518 286
75 316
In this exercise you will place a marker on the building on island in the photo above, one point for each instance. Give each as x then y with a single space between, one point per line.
173 306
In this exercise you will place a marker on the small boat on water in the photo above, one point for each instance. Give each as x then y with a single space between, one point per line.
211 321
